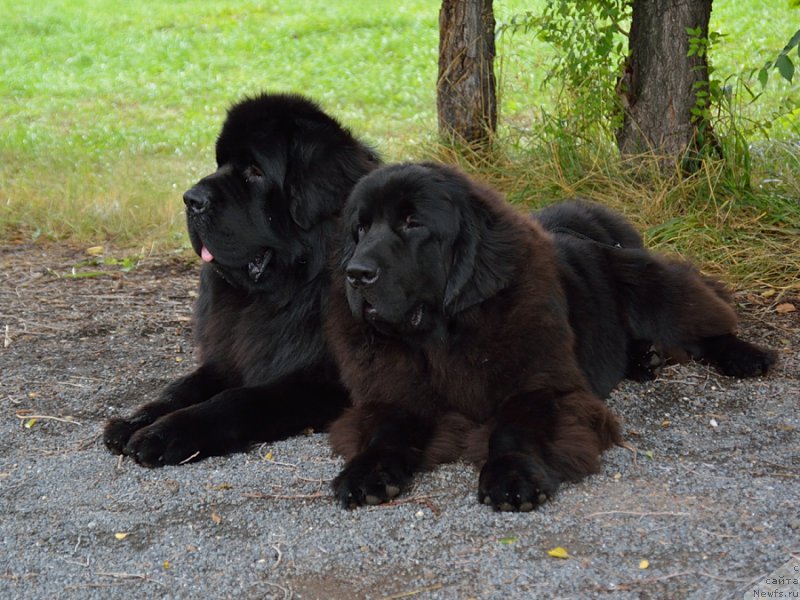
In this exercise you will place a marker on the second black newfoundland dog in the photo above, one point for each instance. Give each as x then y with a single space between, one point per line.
465 329
262 224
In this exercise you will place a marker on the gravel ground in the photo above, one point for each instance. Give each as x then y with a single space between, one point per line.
709 498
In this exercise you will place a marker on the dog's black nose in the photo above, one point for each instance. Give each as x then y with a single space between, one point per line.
197 199
359 275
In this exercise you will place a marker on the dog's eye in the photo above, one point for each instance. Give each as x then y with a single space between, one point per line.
252 172
411 222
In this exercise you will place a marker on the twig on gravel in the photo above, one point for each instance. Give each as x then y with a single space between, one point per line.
425 501
263 496
717 534
779 465
632 584
718 578
280 464
628 585
634 513
88 442
287 593
41 325
704 375
72 561
27 414
408 594
277 549
320 481
189 458
117 575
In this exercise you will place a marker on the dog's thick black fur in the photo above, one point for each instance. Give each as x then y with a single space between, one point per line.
603 263
464 329
262 224
572 223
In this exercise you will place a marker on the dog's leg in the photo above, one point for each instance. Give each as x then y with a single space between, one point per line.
235 418
541 440
704 325
194 388
733 356
392 447
685 314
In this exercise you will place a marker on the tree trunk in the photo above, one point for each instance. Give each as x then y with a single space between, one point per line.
465 89
658 88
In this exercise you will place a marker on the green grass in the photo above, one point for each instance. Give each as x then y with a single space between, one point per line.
109 110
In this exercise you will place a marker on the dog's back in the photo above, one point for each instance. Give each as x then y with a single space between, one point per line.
588 220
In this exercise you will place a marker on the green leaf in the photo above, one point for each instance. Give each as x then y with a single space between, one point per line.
795 41
763 75
785 67
508 539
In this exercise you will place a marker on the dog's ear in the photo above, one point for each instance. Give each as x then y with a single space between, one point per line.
324 163
483 253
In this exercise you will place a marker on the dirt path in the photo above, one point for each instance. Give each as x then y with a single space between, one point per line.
709 500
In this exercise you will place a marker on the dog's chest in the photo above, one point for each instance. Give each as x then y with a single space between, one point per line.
465 381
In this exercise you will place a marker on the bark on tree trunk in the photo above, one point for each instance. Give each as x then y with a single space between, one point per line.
465 90
658 90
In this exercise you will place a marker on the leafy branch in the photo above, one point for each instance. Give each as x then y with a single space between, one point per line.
783 63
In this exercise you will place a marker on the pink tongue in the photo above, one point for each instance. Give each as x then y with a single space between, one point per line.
206 255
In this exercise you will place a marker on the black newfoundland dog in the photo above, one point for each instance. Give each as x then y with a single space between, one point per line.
262 224
464 329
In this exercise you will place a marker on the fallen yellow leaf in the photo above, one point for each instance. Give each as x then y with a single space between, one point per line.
94 250
120 536
558 552
644 564
268 456
784 308
166 564
30 423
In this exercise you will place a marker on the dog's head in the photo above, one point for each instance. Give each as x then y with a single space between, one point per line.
284 170
423 245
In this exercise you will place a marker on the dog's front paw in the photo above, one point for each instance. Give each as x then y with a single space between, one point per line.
174 439
117 432
515 482
371 479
